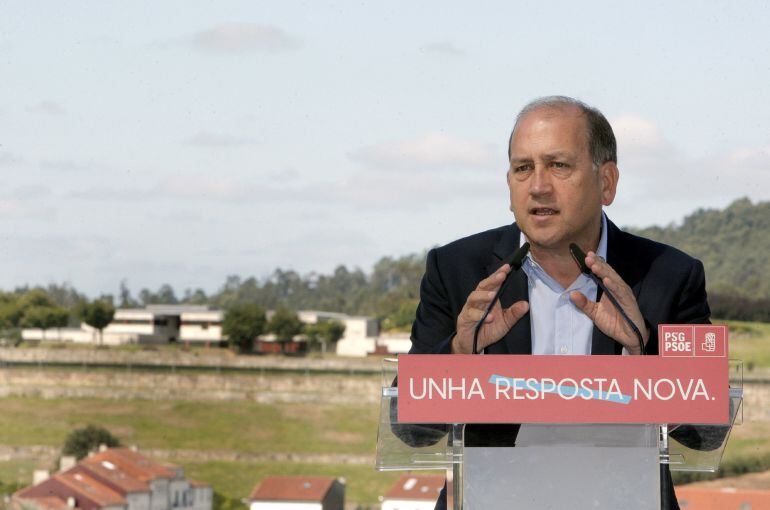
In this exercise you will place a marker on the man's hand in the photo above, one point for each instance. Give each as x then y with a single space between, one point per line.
604 314
498 322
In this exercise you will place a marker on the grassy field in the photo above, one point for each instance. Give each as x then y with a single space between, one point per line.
243 427
750 342
318 429
246 427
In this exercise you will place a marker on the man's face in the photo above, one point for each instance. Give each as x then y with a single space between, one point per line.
556 195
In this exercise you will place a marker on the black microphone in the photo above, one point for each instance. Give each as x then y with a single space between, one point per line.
515 260
580 259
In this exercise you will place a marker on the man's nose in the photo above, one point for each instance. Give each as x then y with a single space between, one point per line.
540 183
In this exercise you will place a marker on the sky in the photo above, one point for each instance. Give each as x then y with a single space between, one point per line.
183 141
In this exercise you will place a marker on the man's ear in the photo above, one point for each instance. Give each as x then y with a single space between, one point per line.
609 175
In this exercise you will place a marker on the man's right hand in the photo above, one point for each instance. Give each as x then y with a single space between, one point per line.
498 322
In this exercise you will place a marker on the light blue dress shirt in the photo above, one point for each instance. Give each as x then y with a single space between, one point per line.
558 326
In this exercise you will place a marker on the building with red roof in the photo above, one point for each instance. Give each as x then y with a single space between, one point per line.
413 492
298 493
745 492
116 479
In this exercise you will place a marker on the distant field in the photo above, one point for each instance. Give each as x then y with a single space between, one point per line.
311 429
750 341
241 426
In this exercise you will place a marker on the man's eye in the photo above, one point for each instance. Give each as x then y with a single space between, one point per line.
559 164
521 168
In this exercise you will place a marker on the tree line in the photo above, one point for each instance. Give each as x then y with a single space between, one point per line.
245 322
733 243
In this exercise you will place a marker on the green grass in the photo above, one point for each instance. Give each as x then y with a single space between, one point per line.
750 342
246 427
19 471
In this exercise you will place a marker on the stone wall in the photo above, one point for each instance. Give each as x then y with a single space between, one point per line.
120 384
195 357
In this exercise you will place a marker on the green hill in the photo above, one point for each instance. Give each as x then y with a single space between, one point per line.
734 245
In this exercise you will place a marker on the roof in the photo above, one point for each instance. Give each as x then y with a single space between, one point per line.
751 481
418 487
90 487
48 502
738 492
703 498
208 315
175 309
293 488
121 464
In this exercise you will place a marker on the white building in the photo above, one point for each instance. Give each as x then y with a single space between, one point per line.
360 337
155 324
298 493
413 492
197 325
201 327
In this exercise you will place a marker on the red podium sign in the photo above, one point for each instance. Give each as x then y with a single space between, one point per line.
687 383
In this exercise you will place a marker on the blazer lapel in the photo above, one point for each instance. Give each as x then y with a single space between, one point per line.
622 263
519 339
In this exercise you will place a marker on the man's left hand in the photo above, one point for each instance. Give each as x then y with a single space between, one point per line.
604 314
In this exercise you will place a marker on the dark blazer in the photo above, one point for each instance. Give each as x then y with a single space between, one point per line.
669 286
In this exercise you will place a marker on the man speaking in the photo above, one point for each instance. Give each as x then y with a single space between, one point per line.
563 171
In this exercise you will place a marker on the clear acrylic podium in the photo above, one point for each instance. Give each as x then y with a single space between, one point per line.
541 466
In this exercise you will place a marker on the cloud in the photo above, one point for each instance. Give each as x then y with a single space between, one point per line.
9 159
206 188
199 188
207 139
430 151
658 182
47 108
245 38
68 165
15 209
751 157
125 194
369 189
31 191
443 48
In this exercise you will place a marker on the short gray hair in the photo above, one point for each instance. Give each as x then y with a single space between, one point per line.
601 139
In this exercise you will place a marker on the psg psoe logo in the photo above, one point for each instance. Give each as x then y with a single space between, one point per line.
698 340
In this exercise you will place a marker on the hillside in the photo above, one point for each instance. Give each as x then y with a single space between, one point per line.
734 245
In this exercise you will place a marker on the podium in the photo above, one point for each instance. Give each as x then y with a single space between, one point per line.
550 466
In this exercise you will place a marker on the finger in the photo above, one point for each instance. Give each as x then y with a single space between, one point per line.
515 312
619 289
584 304
600 267
610 278
493 281
480 299
474 315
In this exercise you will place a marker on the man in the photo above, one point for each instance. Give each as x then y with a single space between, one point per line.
563 171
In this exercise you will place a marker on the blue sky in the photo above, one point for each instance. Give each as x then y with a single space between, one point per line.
181 142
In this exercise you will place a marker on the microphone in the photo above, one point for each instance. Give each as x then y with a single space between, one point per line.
515 260
580 260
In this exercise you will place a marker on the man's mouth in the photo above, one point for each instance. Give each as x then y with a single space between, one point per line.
543 211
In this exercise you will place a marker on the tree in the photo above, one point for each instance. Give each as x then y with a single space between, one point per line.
97 314
81 441
126 299
285 325
325 333
44 317
242 324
